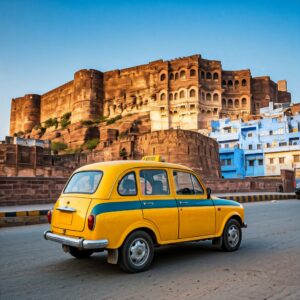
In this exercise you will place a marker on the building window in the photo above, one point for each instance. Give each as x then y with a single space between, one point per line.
236 84
162 77
192 72
226 145
171 76
171 96
175 96
250 147
182 74
216 76
208 75
251 163
222 162
192 106
282 144
223 102
271 132
250 134
216 97
208 97
181 94
230 103
228 162
244 82
176 76
192 93
230 83
236 103
296 158
268 145
244 102
260 162
281 160
258 146
163 97
271 161
223 83
202 75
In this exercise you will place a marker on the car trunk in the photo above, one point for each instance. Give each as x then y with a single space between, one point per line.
71 212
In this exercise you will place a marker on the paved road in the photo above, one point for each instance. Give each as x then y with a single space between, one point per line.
267 266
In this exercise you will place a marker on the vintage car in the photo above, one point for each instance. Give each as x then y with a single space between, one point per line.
129 207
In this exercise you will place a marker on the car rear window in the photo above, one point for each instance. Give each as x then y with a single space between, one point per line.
85 182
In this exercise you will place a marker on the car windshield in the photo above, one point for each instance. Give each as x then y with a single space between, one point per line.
85 182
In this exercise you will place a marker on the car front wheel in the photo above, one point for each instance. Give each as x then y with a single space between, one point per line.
232 236
137 252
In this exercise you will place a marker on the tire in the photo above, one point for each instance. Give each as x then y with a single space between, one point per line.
80 253
137 252
232 236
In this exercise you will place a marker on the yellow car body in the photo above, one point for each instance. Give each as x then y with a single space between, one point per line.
165 211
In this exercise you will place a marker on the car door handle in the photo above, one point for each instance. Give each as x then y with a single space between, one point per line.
66 209
183 202
148 203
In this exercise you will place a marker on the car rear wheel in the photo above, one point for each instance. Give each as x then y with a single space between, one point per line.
232 236
80 253
137 252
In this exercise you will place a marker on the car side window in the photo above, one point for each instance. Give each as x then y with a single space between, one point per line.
183 183
127 185
154 182
198 190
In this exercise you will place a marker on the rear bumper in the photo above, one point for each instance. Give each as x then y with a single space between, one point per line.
74 242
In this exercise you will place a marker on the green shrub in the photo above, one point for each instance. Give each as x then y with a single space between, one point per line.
51 122
19 134
91 144
100 119
58 146
123 153
87 122
37 127
65 120
113 120
74 150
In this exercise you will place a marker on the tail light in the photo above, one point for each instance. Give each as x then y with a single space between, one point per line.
49 216
91 222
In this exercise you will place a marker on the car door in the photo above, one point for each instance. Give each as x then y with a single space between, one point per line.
158 203
196 212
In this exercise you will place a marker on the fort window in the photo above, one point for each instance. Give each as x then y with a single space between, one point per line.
236 103
244 102
223 102
192 93
244 82
208 75
202 75
208 96
192 72
171 96
162 77
224 83
215 111
216 76
182 106
203 111
208 112
192 106
162 109
171 76
216 97
181 94
203 96
176 76
182 74
163 97
175 96
230 103
236 84
230 83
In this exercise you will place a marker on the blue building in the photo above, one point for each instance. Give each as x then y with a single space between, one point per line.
244 146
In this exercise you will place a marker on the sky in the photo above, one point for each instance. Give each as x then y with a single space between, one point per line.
42 43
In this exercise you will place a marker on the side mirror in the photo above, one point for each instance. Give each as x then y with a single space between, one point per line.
208 191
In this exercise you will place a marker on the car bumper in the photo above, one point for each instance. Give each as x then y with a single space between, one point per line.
75 242
244 225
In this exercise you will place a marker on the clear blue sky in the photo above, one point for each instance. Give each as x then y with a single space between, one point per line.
42 43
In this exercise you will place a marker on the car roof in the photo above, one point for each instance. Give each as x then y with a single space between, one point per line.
122 165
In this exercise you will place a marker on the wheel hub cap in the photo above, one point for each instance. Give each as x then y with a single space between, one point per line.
233 235
139 252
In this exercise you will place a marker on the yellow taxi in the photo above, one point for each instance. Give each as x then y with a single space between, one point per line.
129 207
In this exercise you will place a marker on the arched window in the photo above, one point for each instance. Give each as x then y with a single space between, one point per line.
175 96
244 82
223 102
208 75
181 94
203 96
208 96
171 96
202 75
163 96
176 76
223 82
216 76
182 74
208 112
230 83
244 102
192 72
230 103
171 76
192 93
236 103
203 111
162 77
216 97
236 84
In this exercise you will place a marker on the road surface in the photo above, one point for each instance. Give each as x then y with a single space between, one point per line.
267 265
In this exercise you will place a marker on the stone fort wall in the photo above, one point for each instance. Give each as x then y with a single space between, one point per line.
182 93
